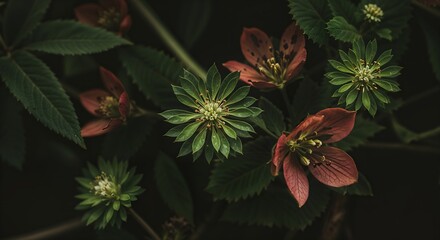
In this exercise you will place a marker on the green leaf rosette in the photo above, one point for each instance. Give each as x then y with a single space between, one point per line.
217 117
106 192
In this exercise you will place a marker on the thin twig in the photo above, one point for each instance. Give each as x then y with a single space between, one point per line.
50 231
148 14
402 147
420 96
143 224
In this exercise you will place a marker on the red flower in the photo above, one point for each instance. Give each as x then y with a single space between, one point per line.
109 14
111 107
270 68
304 146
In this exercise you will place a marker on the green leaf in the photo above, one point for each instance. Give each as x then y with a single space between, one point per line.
311 16
72 38
384 33
238 95
37 88
339 66
343 31
214 80
193 18
215 139
272 116
153 72
390 72
370 51
389 85
21 17
126 140
225 148
244 175
343 8
385 57
188 131
199 141
241 113
172 186
307 100
432 36
12 139
363 130
228 85
240 125
361 188
276 207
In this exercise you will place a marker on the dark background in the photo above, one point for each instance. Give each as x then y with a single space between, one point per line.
406 197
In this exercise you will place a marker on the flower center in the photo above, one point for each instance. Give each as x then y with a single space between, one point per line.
212 112
103 186
365 74
110 19
373 13
307 147
108 107
274 69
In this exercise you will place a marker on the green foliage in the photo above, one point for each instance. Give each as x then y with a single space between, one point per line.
153 72
126 140
193 19
21 18
12 139
311 16
36 87
271 119
243 176
172 187
363 129
66 37
361 188
341 30
276 207
432 35
345 9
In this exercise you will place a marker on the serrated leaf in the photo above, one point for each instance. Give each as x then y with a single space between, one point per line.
172 186
343 31
343 8
126 140
362 131
193 19
361 188
272 116
306 100
37 88
245 175
277 207
311 16
12 139
153 72
21 18
66 37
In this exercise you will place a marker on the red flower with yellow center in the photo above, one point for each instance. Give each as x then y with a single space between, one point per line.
270 68
306 146
108 14
111 107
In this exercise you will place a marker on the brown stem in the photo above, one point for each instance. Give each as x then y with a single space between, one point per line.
50 231
143 224
335 218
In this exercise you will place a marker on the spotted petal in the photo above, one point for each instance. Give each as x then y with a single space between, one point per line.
279 154
337 123
88 13
296 179
99 127
341 170
292 47
111 82
248 74
90 99
255 45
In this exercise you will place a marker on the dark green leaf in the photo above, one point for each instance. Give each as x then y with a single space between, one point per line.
193 19
228 85
72 38
37 88
21 18
343 31
361 188
272 116
245 175
225 148
153 72
188 131
390 72
215 139
311 16
339 66
370 51
238 95
384 33
362 131
240 125
199 141
12 139
172 186
389 85
432 36
214 80
343 8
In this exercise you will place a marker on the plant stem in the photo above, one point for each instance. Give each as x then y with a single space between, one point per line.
148 14
428 9
51 231
429 133
335 218
143 224
287 102
420 96
401 146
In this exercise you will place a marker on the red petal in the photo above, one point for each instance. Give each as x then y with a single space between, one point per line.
247 74
255 45
337 122
295 66
88 13
340 172
124 105
99 127
90 99
125 24
296 179
309 125
279 154
111 82
292 40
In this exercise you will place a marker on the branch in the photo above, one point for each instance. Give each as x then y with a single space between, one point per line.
143 224
50 231
335 218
